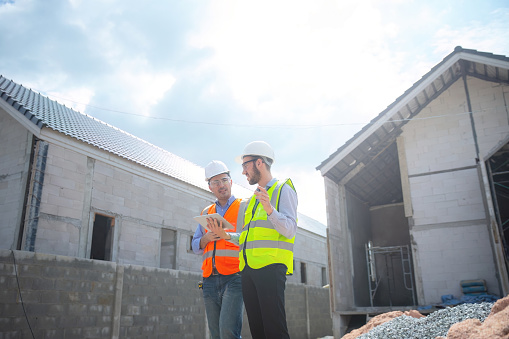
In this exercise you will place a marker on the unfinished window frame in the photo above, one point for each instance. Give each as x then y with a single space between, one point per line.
110 222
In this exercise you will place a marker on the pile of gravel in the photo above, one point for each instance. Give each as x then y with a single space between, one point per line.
434 325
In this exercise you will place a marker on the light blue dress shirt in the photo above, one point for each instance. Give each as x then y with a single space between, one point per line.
200 231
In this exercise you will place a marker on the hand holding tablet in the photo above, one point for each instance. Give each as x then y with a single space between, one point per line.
202 220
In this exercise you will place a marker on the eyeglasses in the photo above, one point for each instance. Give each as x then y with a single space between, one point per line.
244 164
216 183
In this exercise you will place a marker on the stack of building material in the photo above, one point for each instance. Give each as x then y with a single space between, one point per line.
474 287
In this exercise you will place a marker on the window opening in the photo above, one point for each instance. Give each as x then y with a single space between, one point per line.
324 276
102 237
168 248
303 276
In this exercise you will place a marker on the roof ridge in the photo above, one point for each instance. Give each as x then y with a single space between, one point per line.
457 50
59 118
47 112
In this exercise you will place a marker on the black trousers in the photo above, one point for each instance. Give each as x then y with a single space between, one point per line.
264 298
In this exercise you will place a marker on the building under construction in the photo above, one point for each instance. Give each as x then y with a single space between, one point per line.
418 200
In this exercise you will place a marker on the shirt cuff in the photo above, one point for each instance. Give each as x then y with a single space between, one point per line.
273 215
234 238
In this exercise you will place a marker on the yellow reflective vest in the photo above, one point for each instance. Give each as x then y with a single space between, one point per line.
260 244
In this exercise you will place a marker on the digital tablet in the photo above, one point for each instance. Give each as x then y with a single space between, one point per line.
202 220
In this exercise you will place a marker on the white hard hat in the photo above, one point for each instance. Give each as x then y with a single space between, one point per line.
258 148
214 168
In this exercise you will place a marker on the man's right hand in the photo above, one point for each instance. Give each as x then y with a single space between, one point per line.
208 237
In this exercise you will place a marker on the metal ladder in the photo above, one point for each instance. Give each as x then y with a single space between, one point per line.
406 264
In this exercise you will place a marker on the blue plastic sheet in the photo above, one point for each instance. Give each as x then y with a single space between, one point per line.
450 300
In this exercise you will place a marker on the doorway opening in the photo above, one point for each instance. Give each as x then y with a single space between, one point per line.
498 170
102 237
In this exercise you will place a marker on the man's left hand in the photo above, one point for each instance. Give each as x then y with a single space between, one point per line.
217 228
263 197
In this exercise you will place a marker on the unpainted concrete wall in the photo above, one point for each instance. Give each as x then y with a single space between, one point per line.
13 171
81 181
450 230
310 249
447 223
141 209
359 226
66 297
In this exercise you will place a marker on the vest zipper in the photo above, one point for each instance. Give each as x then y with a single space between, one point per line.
247 234
214 259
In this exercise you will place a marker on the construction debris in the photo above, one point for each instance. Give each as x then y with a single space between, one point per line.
496 326
466 321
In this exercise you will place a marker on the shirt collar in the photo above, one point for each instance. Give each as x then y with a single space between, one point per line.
271 182
228 202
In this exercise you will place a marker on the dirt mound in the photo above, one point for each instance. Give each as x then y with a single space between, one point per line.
495 326
379 320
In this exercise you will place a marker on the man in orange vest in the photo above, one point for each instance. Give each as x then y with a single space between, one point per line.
222 289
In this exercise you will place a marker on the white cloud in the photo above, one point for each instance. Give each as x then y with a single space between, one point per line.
491 36
147 87
325 62
310 190
75 98
283 58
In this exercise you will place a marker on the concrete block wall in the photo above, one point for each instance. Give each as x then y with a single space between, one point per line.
58 235
491 114
446 197
441 137
339 248
81 182
450 230
139 244
62 202
451 254
320 321
308 311
160 303
67 297
187 259
141 208
310 249
13 143
296 320
63 297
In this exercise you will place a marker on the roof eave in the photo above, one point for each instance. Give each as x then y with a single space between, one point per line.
21 115
458 54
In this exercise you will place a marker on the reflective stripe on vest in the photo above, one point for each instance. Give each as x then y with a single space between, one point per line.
269 243
223 253
262 243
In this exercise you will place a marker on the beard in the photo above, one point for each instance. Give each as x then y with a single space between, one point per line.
255 178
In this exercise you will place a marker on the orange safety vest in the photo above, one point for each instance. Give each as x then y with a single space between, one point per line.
224 253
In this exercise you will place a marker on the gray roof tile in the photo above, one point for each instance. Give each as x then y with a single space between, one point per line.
44 112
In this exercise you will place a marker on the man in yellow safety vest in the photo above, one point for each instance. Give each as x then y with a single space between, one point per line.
266 243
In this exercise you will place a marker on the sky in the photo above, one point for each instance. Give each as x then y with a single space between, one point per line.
201 79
